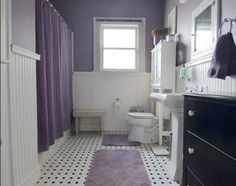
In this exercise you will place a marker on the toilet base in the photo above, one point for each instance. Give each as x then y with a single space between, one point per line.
147 135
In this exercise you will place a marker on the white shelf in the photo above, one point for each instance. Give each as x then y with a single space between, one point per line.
163 79
160 150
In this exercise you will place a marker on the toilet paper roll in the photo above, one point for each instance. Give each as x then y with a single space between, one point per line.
117 103
166 113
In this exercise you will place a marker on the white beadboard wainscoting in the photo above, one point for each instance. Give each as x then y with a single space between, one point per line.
23 116
99 90
6 169
199 78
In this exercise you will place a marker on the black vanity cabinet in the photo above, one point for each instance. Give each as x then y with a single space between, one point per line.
209 155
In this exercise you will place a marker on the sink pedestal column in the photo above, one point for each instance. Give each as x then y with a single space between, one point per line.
174 166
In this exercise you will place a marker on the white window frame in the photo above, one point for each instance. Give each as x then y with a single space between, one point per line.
119 26
138 23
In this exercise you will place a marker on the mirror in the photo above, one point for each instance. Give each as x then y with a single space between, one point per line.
203 32
205 22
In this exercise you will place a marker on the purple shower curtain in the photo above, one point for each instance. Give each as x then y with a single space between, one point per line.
54 75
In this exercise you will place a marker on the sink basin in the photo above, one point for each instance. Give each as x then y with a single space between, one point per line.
173 101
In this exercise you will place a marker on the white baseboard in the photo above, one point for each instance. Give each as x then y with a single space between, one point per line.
32 178
43 156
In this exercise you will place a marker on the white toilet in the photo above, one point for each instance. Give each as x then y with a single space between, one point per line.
143 127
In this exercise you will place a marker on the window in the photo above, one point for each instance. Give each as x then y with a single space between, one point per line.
118 44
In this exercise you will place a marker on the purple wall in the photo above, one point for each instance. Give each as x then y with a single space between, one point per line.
184 16
23 23
79 15
184 19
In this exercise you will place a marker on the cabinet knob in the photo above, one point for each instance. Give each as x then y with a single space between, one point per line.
191 150
191 113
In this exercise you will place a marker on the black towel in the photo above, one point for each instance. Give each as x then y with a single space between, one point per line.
232 56
224 58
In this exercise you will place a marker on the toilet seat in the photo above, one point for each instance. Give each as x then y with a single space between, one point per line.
141 115
141 119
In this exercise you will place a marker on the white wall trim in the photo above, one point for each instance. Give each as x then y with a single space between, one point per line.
72 52
5 61
43 156
5 30
24 52
204 59
32 178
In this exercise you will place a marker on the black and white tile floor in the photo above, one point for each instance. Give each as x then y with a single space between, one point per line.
70 165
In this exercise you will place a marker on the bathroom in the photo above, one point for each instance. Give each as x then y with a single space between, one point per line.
96 98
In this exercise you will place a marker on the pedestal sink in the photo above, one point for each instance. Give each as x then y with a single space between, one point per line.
174 102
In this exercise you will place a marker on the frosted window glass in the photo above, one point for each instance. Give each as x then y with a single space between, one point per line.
119 38
118 59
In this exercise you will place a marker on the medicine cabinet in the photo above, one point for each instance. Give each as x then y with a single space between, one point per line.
163 65
205 23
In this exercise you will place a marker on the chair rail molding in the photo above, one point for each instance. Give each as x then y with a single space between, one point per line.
24 52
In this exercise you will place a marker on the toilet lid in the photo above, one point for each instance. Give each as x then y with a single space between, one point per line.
141 115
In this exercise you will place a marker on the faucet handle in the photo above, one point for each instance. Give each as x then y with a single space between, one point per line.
204 89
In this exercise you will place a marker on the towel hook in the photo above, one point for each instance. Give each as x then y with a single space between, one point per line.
231 22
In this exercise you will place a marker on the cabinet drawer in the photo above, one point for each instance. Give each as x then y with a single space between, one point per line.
213 121
191 179
209 165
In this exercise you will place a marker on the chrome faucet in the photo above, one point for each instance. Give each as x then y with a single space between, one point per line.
197 89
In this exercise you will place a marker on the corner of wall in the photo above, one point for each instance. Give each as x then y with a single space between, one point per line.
32 178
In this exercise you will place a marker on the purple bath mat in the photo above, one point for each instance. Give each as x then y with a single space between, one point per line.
117 168
118 140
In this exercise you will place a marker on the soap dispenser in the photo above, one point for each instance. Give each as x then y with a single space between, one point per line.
183 72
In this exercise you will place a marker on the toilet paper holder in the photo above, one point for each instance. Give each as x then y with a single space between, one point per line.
117 102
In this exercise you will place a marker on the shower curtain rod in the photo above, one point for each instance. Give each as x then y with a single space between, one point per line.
58 14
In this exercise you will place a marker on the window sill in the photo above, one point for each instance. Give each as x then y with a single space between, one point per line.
114 70
97 73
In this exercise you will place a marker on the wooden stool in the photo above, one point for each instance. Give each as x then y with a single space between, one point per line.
88 113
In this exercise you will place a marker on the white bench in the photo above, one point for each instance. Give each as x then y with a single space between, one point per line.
88 113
